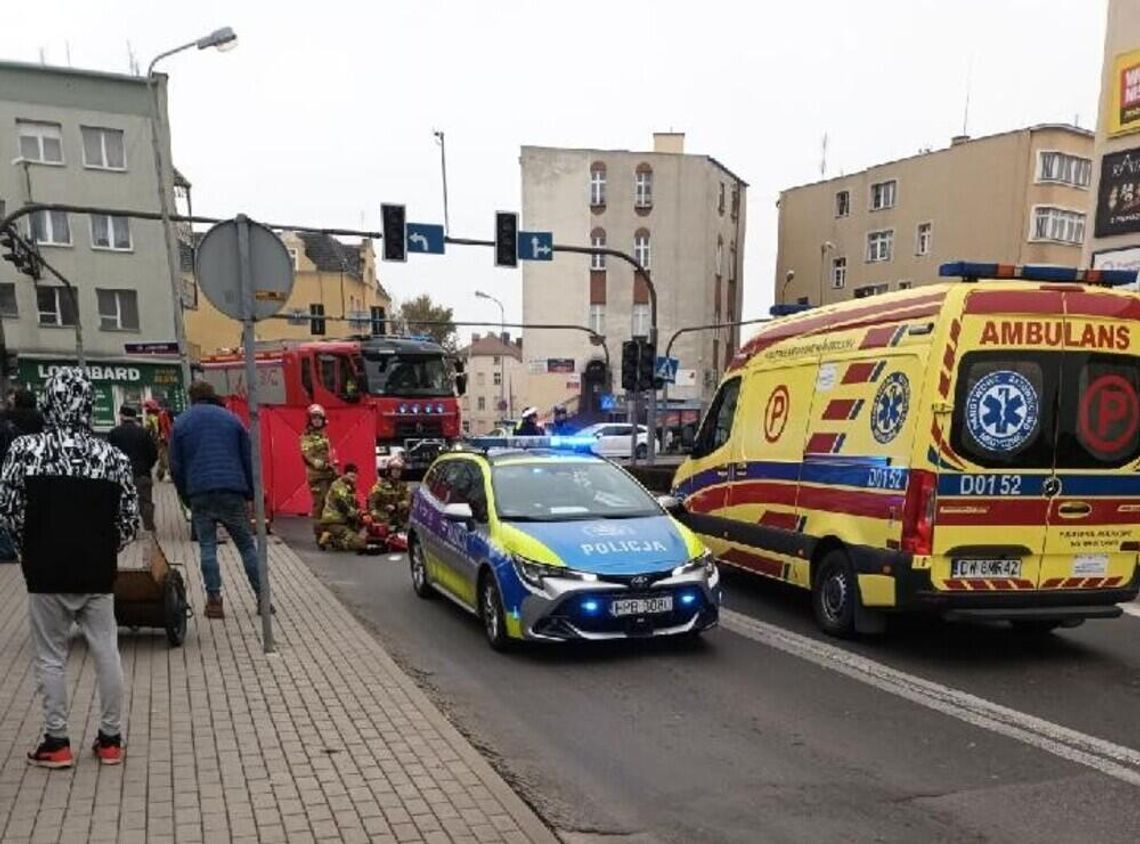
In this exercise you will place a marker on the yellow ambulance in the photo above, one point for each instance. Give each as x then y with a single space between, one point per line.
970 448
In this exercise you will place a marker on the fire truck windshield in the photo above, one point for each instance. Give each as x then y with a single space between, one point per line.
406 375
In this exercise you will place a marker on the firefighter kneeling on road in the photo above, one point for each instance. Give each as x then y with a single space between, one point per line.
390 500
341 520
320 473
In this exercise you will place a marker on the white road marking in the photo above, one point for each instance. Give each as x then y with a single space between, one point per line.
1118 761
1132 608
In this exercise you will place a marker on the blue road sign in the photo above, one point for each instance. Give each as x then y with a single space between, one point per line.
536 246
426 238
666 369
608 402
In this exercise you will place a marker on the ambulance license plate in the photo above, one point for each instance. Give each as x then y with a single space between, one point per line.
641 606
967 569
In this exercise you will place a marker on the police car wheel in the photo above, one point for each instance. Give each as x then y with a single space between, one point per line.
491 612
833 595
420 583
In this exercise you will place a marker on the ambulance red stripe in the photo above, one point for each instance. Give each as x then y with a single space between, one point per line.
755 562
878 338
1015 302
858 373
839 409
821 443
776 519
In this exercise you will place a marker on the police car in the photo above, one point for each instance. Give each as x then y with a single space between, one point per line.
547 544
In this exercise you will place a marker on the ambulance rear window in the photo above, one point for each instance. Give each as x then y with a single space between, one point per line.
1100 411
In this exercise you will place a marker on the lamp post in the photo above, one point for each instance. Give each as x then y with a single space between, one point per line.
223 39
479 294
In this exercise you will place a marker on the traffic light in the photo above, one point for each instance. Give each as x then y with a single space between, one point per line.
629 360
21 254
506 239
395 230
646 365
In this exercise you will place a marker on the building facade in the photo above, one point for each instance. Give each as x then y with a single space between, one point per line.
1019 197
1115 240
336 293
495 375
681 216
84 138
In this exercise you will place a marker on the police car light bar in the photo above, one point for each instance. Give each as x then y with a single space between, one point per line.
555 442
1037 272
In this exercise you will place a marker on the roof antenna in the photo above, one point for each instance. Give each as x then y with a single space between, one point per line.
969 82
132 62
823 157
67 46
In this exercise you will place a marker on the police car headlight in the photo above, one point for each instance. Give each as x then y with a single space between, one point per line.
533 573
705 562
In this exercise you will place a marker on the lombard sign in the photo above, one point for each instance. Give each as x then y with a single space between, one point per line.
95 373
1118 198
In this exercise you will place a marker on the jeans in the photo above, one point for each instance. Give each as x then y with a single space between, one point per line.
230 510
51 617
7 549
145 486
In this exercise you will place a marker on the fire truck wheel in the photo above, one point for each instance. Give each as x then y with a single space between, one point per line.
834 593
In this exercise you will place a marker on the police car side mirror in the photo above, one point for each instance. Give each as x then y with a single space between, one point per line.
459 512
670 505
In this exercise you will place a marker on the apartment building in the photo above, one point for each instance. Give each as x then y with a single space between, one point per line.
1017 197
84 138
681 216
495 374
336 293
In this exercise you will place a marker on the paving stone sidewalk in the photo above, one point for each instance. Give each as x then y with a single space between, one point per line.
326 740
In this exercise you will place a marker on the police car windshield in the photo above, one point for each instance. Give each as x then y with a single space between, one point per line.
566 490
406 375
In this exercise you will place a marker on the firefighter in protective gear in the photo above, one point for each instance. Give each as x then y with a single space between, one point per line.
390 500
341 522
320 472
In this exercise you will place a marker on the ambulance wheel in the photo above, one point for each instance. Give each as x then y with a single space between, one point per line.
491 612
833 594
418 562
1035 626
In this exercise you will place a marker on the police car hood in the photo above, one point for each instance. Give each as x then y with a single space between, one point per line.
610 546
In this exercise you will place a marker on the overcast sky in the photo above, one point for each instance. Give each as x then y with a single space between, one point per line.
324 110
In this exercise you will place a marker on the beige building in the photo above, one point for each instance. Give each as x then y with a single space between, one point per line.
335 294
495 375
1019 197
1114 241
682 216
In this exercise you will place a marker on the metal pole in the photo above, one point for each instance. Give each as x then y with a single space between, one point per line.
247 286
443 168
172 259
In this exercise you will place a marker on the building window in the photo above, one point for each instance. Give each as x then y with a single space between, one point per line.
838 273
639 322
316 318
481 403
597 321
495 360
732 263
923 238
720 200
843 203
598 241
1066 169
118 310
716 354
55 306
8 306
879 245
883 195
906 285
598 185
110 233
497 378
103 149
1058 224
378 319
641 252
870 290
40 142
719 255
480 379
643 187
735 201
292 257
51 228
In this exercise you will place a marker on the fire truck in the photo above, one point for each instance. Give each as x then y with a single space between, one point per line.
411 381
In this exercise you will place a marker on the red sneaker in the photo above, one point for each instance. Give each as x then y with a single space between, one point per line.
52 753
109 749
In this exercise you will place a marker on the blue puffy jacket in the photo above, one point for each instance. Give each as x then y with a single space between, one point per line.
209 452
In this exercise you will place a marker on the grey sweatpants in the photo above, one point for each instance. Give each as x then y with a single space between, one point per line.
51 618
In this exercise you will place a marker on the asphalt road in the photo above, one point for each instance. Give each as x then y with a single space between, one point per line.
766 731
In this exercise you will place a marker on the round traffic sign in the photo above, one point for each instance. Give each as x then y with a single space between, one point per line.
218 267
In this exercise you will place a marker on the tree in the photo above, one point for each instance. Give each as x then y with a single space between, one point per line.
423 316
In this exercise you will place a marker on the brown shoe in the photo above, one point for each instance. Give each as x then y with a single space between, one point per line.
214 607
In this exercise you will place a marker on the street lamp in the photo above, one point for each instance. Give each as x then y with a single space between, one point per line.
479 294
223 39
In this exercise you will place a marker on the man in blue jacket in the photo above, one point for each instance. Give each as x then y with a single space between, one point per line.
212 468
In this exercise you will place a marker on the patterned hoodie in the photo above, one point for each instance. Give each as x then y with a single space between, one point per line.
67 497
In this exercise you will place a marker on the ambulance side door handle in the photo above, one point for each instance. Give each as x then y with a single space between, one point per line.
1074 509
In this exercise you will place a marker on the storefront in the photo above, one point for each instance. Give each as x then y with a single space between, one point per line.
117 382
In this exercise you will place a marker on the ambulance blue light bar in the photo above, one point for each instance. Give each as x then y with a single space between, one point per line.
1037 272
789 309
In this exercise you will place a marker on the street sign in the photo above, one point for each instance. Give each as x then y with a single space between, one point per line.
427 238
608 402
217 265
170 348
666 369
536 246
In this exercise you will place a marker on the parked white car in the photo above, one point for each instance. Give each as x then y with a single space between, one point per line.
612 439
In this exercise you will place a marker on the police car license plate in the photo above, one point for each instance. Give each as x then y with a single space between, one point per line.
985 568
641 606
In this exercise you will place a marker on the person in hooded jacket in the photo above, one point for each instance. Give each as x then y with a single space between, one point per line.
68 500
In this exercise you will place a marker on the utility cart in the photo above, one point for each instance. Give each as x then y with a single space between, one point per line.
150 591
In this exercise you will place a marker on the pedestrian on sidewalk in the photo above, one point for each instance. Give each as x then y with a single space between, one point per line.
212 468
133 440
68 500
20 417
